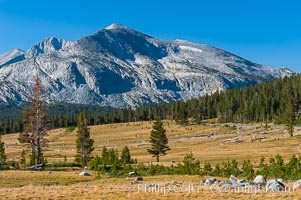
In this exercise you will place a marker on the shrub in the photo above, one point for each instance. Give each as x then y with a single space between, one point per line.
230 168
207 170
247 170
190 165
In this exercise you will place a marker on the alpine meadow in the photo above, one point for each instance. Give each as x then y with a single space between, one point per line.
121 114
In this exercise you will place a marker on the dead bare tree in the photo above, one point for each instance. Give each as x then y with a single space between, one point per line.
35 123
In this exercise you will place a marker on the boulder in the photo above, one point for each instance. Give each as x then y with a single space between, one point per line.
252 186
178 183
133 173
210 181
226 185
139 178
259 179
233 179
153 185
243 182
297 184
236 182
84 174
275 186
134 182
280 180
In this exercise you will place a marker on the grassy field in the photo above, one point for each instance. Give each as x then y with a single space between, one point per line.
211 142
68 185
207 142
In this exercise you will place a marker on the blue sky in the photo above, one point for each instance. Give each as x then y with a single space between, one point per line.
264 31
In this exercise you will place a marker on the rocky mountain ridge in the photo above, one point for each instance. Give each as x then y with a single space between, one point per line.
121 67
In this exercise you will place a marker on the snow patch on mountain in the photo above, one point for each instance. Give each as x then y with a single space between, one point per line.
190 49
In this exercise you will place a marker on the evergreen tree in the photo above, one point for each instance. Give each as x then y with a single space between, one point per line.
158 140
247 169
36 124
2 155
84 144
207 169
190 164
290 117
104 154
292 107
217 170
126 156
23 159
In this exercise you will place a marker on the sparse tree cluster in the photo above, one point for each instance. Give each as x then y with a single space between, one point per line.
109 161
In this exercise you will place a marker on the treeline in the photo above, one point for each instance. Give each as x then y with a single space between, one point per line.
10 118
59 115
275 101
271 101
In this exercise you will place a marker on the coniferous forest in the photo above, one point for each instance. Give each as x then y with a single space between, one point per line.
277 101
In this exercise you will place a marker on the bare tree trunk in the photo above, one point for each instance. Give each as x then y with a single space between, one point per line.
33 151
36 122
39 152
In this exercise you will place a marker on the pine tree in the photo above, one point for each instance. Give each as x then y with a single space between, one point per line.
158 140
23 159
290 115
292 107
84 144
247 169
2 155
126 156
36 124
190 164
207 169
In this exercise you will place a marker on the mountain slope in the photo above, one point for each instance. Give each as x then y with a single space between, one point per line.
120 67
12 56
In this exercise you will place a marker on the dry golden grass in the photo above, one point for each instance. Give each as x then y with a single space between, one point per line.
22 178
120 188
219 146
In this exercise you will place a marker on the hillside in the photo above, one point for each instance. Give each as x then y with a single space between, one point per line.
272 101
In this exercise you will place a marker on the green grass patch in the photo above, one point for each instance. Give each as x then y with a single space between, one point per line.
44 178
